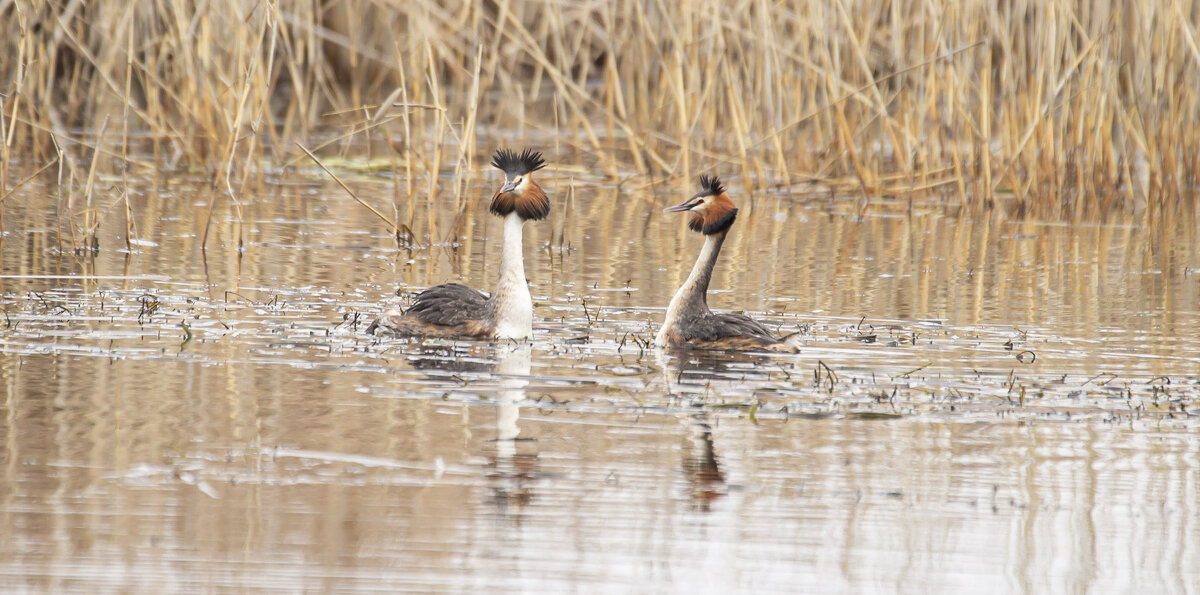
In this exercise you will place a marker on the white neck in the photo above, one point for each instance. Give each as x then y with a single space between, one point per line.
695 290
514 307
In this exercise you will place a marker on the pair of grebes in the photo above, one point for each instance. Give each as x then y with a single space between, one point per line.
456 311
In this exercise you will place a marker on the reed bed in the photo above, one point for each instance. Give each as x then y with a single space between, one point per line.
1068 105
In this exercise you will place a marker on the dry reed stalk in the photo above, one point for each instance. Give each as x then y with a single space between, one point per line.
4 158
90 217
434 169
125 137
466 156
408 154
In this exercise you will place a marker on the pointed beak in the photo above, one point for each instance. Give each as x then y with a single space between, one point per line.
686 205
508 186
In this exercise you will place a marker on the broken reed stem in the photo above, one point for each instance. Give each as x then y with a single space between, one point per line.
27 179
394 226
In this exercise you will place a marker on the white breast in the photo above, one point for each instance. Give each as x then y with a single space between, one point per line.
514 313
671 319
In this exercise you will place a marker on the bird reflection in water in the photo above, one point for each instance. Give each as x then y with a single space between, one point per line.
513 472
701 468
689 374
502 370
458 359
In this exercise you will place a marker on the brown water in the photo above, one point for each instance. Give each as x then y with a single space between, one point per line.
982 401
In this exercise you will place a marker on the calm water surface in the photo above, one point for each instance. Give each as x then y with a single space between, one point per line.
983 402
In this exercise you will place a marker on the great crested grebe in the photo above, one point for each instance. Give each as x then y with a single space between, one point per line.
454 310
689 322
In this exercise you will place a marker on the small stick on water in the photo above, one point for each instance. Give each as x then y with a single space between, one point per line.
229 293
915 370
830 375
586 313
1108 377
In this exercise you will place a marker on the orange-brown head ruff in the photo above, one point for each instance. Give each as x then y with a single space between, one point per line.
712 210
519 193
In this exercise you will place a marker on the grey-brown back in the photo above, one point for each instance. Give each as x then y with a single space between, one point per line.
451 304
705 327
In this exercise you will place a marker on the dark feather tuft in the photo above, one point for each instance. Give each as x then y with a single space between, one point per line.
518 164
717 222
711 185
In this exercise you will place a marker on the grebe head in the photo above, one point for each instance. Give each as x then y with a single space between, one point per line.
712 211
519 193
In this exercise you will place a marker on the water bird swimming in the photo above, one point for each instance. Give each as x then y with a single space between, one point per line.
689 323
456 311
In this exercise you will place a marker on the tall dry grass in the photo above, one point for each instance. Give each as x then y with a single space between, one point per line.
1066 104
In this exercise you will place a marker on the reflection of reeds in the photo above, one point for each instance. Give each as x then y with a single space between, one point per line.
1071 103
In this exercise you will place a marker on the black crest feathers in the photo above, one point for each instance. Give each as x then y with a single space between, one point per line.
711 185
720 214
518 164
